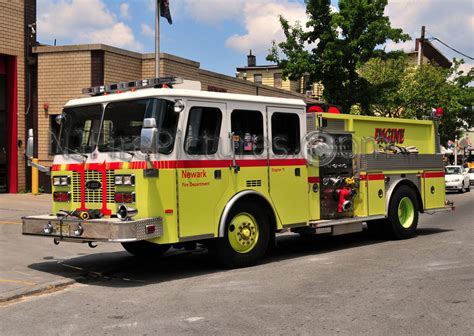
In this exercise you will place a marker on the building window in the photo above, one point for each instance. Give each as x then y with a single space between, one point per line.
257 79
202 133
247 127
277 80
285 133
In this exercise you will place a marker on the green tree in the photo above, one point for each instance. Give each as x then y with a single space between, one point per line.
385 77
333 45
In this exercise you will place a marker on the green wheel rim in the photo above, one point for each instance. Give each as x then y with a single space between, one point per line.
406 212
243 233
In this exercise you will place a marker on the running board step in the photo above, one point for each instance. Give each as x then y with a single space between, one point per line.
342 221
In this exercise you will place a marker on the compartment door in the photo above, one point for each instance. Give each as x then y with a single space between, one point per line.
376 194
434 189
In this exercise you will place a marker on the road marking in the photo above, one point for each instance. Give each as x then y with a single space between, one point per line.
8 223
121 325
194 319
19 281
22 273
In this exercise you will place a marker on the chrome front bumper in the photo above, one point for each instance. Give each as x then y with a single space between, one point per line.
104 229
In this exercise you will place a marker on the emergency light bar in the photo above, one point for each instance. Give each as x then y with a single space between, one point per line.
133 85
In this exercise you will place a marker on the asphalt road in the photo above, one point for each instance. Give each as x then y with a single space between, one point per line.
346 285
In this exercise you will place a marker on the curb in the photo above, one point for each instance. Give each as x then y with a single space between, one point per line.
22 292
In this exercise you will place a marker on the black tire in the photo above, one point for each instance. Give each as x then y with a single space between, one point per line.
226 255
393 226
144 249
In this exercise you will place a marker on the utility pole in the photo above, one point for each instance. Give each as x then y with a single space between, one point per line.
420 46
157 38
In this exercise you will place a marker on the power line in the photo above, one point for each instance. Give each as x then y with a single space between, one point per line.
457 51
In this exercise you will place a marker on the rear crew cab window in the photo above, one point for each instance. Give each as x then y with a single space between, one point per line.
247 127
202 132
285 133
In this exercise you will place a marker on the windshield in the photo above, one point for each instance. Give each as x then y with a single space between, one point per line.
79 129
123 123
453 170
471 171
118 128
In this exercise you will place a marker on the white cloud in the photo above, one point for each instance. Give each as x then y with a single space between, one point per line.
83 21
124 13
262 25
119 35
147 30
209 11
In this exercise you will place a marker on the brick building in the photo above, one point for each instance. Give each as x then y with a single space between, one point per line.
17 81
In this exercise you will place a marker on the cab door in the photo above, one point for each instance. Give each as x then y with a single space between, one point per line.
249 161
288 173
202 176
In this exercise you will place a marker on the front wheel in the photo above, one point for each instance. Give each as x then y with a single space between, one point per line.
144 248
402 213
246 239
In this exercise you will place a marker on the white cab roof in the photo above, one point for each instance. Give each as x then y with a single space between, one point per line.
180 93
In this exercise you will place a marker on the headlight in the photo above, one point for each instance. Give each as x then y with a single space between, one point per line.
128 180
61 180
64 180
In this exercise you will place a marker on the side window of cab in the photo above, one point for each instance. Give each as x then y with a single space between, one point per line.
285 133
202 131
247 127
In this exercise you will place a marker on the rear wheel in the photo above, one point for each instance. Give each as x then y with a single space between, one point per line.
144 248
246 239
402 213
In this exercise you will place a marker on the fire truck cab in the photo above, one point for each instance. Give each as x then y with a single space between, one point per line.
156 167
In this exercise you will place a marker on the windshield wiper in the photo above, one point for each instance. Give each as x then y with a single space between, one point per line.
69 149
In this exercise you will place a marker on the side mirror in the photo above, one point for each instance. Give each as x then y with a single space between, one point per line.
30 144
149 136
60 119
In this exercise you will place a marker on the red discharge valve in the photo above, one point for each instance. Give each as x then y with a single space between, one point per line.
345 199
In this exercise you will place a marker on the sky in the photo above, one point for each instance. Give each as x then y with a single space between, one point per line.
220 33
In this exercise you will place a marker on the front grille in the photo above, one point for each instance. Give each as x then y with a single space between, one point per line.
93 195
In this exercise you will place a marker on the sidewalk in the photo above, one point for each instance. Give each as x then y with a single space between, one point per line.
33 264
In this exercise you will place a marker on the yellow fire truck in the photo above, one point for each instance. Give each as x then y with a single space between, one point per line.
153 166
